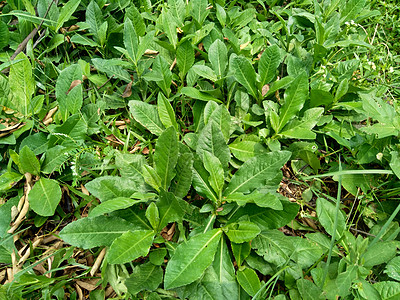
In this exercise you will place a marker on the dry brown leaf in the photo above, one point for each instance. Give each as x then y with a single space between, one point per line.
265 90
89 285
10 129
128 90
150 52
74 84
242 46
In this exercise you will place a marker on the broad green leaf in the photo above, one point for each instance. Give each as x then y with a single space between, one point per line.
131 41
130 165
214 167
83 40
393 268
5 35
130 246
6 215
22 85
45 196
28 161
221 117
225 271
244 73
244 150
135 216
302 129
212 140
205 72
157 256
388 290
308 290
112 205
178 10
240 252
161 67
352 9
182 182
243 231
379 253
191 258
137 20
151 177
69 90
294 99
54 158
112 67
268 218
166 112
166 156
218 56
196 94
94 232
201 183
257 171
170 209
199 10
144 277
184 57
270 199
248 280
109 187
66 12
169 26
326 212
94 17
152 215
268 64
147 115
37 142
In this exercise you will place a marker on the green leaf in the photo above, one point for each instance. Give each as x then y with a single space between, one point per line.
178 10
393 268
147 115
169 208
257 171
112 67
164 74
166 156
268 218
389 290
83 40
352 9
69 100
94 232
152 215
214 167
45 196
218 56
244 73
326 212
199 10
243 231
109 187
182 182
302 129
22 85
144 277
94 17
205 72
212 140
28 161
169 26
308 290
244 150
191 258
225 271
201 183
379 253
131 41
166 112
269 63
240 252
66 12
295 96
196 94
151 177
130 246
54 158
112 205
137 20
5 35
6 215
184 57
249 281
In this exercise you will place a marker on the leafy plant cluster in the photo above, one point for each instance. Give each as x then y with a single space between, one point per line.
198 150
